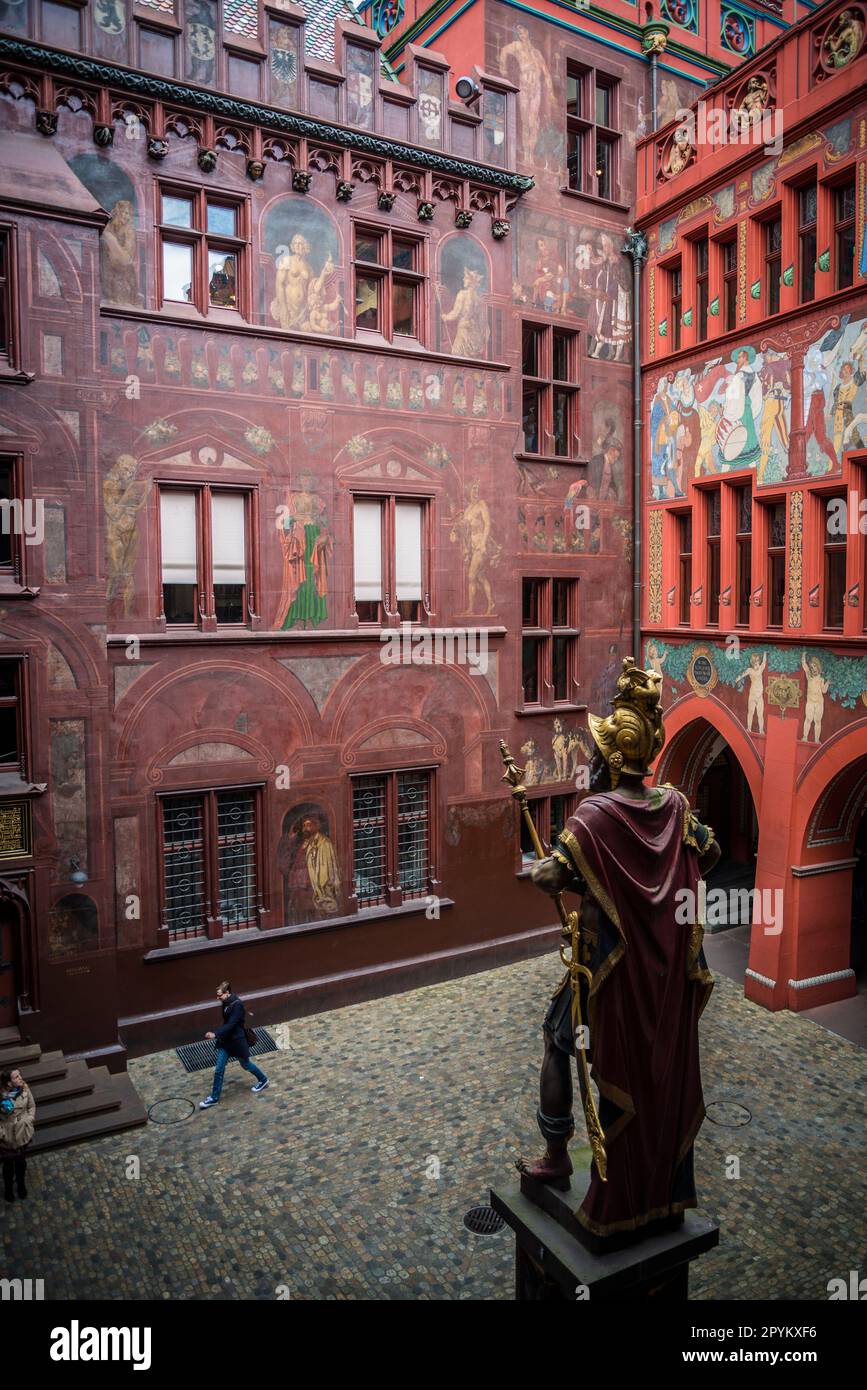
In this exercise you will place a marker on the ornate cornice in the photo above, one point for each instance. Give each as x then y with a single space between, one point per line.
162 89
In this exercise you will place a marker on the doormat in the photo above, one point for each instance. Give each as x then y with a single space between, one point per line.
202 1055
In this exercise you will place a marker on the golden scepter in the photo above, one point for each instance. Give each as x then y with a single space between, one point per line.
571 933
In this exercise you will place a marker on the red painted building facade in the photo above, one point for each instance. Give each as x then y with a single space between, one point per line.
754 455
316 413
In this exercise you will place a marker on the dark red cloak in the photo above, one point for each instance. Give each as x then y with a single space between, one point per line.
650 985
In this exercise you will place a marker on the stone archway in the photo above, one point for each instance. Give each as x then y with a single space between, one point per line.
700 760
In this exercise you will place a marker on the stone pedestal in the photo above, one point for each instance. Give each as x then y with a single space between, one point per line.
552 1264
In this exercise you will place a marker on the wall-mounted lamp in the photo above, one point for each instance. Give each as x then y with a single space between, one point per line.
468 90
77 876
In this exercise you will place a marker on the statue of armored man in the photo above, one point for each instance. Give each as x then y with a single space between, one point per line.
637 977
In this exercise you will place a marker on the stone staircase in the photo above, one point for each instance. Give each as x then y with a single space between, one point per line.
73 1101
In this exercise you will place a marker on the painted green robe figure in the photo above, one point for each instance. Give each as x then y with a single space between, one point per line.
307 549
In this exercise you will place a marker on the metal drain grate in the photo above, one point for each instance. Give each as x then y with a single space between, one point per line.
202 1055
483 1221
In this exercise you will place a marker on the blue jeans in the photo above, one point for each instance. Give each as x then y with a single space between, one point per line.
220 1071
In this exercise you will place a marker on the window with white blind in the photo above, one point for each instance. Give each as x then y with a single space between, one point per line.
390 558
391 837
204 555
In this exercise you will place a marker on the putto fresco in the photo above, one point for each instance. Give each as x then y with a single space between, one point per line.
819 684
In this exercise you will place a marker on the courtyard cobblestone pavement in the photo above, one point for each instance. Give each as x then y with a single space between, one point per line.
325 1183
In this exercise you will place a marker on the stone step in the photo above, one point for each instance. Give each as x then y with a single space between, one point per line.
19 1055
77 1081
46 1068
9 1036
101 1097
129 1114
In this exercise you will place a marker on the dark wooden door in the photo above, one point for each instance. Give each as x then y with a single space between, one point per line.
9 963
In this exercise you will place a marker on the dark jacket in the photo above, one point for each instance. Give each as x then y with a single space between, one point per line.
232 1036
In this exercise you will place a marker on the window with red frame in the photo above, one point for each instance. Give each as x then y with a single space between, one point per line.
203 249
772 232
13 547
713 519
729 252
808 204
702 282
13 757
549 401
684 565
8 323
592 131
549 640
776 563
204 553
390 558
834 552
209 843
844 234
744 561
392 837
550 814
389 283
675 300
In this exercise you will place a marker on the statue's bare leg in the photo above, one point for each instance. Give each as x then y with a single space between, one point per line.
554 1117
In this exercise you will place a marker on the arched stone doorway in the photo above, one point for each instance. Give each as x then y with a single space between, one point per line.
831 961
702 763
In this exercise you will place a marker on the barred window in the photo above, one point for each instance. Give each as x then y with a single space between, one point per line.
210 863
391 837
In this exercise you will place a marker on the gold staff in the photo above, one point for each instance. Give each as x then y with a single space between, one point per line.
571 924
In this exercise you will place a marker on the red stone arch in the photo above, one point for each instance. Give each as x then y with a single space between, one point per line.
686 725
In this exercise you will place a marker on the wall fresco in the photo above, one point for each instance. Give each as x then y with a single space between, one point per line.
735 412
120 273
303 290
813 685
308 865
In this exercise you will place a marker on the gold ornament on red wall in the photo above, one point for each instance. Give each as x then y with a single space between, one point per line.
701 673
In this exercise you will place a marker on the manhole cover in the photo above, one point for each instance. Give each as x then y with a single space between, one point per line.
202 1055
483 1221
171 1111
728 1113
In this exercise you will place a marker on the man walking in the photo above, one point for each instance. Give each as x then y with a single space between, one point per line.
231 1041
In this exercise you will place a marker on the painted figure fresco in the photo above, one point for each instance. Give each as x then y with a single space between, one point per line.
472 528
307 548
817 689
73 926
835 398
465 280
303 242
540 134
735 414
832 683
123 496
602 270
754 672
118 247
732 415
307 862
359 85
655 662
201 39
